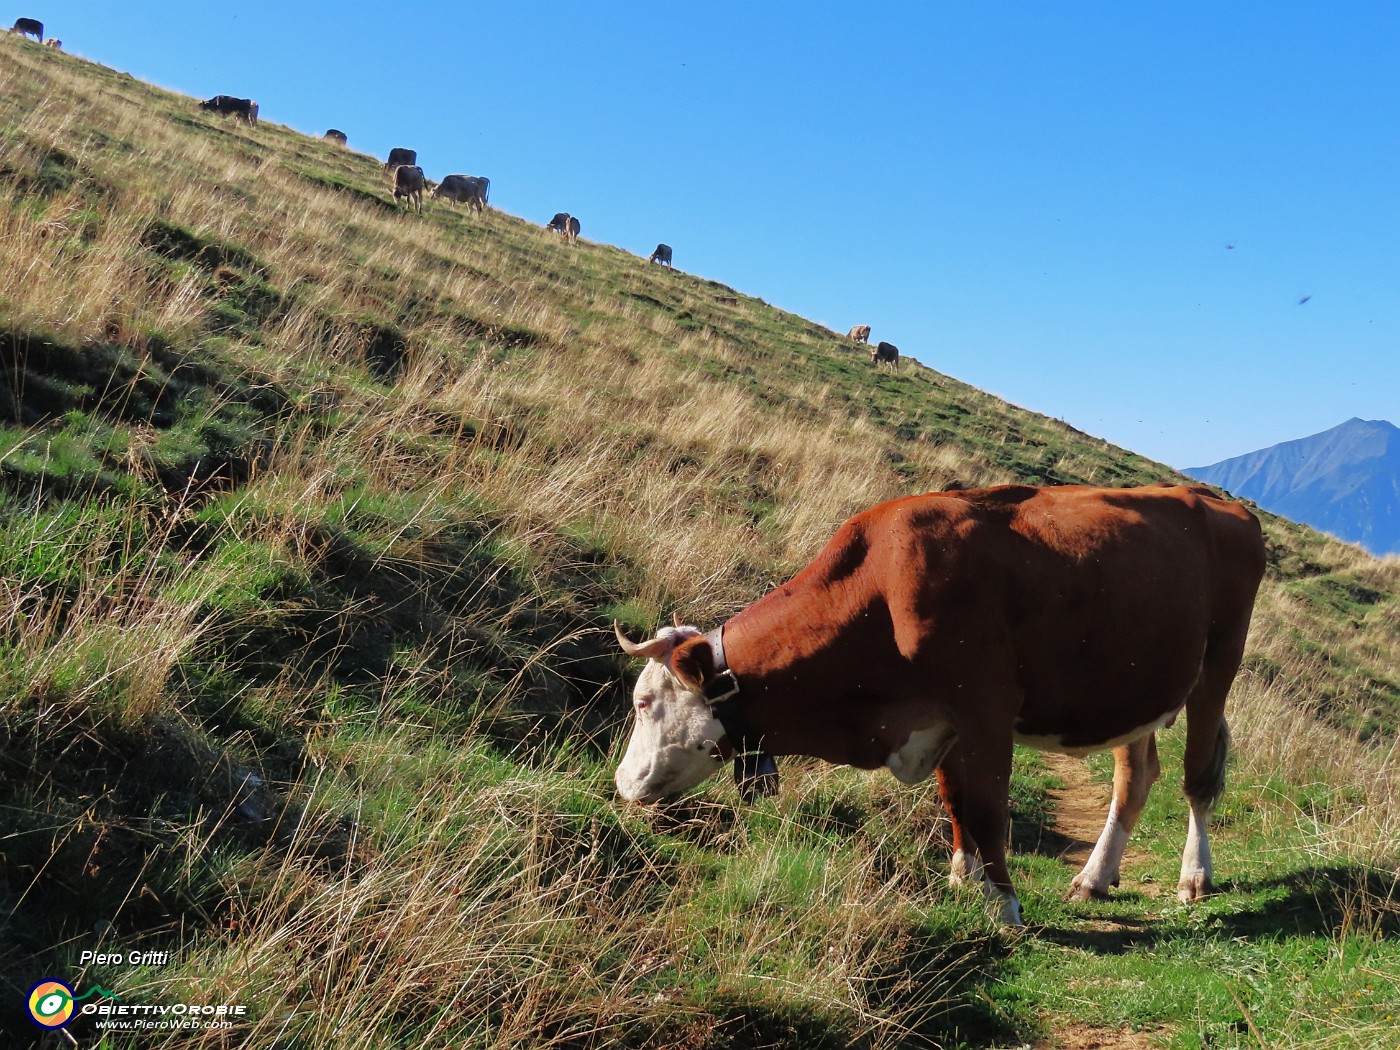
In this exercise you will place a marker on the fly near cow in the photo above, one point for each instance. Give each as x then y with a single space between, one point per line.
933 632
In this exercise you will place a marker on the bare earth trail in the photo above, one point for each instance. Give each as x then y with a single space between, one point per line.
1081 807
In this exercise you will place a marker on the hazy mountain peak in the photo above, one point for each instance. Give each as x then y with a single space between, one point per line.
1345 481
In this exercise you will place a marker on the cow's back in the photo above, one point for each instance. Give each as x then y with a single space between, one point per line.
1090 594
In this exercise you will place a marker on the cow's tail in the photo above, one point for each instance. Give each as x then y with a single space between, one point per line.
1208 785
485 190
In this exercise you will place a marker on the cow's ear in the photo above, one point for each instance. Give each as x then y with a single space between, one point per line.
693 662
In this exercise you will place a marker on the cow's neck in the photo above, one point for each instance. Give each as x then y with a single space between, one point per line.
796 661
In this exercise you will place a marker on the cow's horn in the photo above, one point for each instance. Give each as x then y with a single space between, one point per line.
655 649
676 619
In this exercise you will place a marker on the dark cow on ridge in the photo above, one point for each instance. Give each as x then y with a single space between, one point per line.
337 136
934 631
885 354
399 156
860 333
408 182
662 255
565 224
473 190
29 27
245 109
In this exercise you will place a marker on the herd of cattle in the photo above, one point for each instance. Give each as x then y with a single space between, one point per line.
409 183
1127 608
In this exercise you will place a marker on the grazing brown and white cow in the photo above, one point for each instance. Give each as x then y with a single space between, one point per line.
885 354
54 43
474 190
337 136
245 109
29 27
934 631
662 255
860 333
408 183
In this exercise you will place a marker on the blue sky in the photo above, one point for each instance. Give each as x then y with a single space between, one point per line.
1035 198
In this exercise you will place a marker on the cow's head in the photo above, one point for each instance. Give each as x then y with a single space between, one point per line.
676 739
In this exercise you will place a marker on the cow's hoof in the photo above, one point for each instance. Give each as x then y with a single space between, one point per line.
1195 887
1082 891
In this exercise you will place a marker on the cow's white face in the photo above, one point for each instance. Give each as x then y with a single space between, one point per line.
676 738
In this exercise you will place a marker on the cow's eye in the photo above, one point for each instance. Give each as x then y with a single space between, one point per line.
644 702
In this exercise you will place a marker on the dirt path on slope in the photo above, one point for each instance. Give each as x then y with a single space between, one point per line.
1081 807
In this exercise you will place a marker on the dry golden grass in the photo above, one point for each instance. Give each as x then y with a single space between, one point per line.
417 886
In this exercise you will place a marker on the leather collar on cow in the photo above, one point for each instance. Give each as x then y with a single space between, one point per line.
755 770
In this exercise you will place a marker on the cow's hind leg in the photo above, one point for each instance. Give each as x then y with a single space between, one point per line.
1207 747
1204 784
1135 769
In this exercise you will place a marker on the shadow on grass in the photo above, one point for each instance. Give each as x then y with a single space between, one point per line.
1346 900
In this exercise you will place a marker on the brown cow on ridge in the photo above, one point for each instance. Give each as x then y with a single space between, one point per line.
860 333
409 182
29 27
934 631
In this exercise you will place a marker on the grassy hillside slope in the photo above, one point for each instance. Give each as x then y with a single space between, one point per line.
313 518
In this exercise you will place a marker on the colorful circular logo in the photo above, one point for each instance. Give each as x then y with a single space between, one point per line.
50 1004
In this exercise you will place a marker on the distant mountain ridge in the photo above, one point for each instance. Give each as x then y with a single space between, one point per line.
1344 481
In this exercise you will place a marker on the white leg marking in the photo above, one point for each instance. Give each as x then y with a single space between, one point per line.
964 868
1005 907
1195 881
1101 870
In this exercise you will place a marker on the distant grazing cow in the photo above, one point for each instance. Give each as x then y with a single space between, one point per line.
472 190
29 27
245 109
398 156
933 632
565 224
408 182
885 354
54 43
337 136
662 255
727 300
860 333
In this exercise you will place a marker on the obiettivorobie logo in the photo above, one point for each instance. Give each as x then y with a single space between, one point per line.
51 1002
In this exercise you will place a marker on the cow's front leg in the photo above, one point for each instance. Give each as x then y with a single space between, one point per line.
966 865
1135 769
978 772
